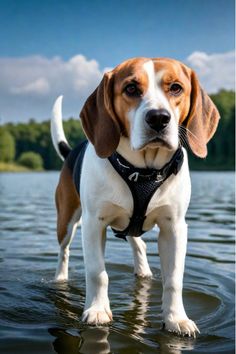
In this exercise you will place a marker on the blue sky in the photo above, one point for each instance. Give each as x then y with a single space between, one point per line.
106 32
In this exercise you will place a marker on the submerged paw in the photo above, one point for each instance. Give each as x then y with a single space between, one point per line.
97 316
184 327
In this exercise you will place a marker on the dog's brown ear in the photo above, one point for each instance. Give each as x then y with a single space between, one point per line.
99 120
202 120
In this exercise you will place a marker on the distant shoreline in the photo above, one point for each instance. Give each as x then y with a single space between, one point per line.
13 167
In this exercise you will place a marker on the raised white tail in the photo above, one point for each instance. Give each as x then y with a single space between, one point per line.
59 140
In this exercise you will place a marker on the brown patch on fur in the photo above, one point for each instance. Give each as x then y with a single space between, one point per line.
202 120
67 201
104 114
128 72
175 71
197 111
99 120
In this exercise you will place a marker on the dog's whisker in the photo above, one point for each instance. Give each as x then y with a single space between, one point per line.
183 138
190 132
184 130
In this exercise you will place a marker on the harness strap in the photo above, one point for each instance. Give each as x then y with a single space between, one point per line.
142 183
78 164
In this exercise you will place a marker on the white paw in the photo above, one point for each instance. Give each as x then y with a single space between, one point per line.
96 316
182 327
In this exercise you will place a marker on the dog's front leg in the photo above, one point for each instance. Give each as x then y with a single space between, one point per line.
172 248
97 307
141 266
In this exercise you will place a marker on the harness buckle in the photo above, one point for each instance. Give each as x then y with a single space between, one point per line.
159 177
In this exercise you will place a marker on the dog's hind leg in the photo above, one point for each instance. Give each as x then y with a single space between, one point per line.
141 266
68 215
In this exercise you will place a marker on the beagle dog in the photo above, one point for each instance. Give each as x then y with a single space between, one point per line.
144 110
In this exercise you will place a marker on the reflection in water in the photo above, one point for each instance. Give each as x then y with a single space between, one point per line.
84 340
93 340
171 344
65 342
167 343
139 305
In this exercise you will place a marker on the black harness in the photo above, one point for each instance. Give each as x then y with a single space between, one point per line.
142 182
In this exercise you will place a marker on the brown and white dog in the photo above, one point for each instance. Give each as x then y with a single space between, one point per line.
143 109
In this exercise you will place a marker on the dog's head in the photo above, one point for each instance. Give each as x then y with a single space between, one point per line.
152 102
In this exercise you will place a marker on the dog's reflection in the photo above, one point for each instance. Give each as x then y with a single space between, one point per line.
136 320
136 315
173 344
92 340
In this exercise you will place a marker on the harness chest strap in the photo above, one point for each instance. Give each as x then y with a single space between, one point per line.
142 183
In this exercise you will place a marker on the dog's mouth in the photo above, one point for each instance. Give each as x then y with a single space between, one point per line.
157 142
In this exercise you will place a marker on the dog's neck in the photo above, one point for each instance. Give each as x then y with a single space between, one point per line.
145 158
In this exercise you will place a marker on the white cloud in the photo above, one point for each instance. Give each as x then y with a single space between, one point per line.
29 86
39 87
215 71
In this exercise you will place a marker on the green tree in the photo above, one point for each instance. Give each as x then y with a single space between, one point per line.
221 148
35 136
7 145
31 160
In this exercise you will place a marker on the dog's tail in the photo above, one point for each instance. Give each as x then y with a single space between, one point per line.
57 132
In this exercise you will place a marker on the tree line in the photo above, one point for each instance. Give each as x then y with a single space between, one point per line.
30 143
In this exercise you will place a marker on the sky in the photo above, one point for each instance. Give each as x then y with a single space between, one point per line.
54 47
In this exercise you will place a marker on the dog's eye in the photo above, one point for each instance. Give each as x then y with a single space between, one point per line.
176 89
132 90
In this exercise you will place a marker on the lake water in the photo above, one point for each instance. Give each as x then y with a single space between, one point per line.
40 316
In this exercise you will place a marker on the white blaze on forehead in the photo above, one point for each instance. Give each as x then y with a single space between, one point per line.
154 98
154 91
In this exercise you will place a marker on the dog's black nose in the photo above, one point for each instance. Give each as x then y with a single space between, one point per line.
158 119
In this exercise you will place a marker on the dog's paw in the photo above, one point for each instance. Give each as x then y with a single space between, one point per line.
142 270
143 274
183 327
96 316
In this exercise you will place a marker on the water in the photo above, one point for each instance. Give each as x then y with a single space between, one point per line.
40 316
